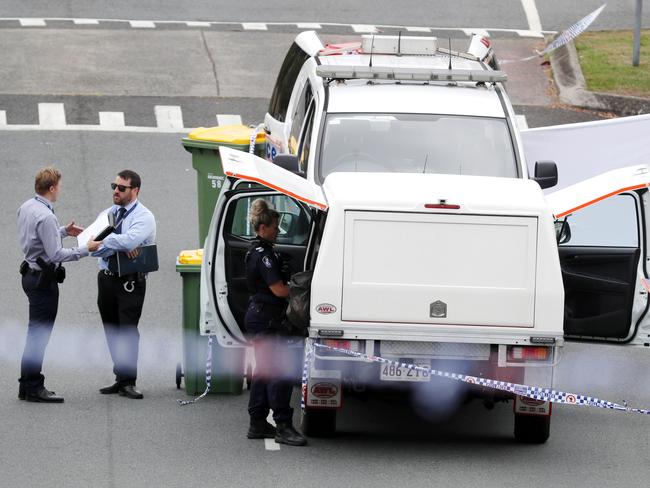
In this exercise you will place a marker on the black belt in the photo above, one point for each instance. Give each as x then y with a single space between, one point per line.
111 274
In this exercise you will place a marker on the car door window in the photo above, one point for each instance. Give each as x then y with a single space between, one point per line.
294 220
305 143
287 77
298 116
609 223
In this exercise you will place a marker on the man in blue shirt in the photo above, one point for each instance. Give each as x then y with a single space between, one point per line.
120 298
40 237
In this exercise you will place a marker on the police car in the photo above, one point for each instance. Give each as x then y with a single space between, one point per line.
401 182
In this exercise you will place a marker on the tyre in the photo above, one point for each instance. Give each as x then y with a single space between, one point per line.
532 429
179 375
318 422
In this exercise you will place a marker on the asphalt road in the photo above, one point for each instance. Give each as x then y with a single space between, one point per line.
513 14
94 440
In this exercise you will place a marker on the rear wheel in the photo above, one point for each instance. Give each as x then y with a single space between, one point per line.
319 422
532 429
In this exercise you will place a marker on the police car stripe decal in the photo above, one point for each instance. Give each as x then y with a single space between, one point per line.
534 392
275 187
603 197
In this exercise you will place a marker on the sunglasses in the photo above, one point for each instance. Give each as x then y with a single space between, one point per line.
122 188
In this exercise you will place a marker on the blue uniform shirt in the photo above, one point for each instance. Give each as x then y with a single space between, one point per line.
263 268
138 229
40 234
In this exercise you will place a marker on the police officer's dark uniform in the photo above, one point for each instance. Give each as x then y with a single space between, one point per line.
272 384
40 239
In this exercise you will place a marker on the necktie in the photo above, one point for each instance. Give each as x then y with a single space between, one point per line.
118 219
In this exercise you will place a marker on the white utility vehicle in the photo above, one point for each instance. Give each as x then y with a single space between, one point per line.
401 182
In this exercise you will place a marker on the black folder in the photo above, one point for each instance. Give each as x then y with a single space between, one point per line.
145 262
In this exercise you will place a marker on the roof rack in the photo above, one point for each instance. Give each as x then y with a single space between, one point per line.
408 74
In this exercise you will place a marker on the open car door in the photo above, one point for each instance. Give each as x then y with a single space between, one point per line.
601 225
224 292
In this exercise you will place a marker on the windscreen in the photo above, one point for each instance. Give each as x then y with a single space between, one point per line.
417 143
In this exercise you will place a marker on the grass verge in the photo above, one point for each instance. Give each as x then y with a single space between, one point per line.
606 61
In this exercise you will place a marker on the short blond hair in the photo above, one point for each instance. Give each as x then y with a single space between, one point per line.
46 178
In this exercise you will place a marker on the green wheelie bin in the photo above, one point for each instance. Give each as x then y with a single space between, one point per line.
227 363
204 144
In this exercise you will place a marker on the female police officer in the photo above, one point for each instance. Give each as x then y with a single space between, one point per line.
271 385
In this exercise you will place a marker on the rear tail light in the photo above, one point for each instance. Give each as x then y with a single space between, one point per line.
350 345
522 354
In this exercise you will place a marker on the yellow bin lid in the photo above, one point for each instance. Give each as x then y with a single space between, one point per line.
227 134
194 256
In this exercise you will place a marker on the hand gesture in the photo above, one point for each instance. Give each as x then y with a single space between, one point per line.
134 253
93 245
73 230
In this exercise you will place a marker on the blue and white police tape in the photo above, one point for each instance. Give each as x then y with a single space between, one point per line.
534 392
208 376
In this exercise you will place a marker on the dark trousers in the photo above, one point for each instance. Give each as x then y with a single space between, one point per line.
43 305
272 382
120 310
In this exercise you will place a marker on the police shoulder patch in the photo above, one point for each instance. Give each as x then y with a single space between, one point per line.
267 262
259 249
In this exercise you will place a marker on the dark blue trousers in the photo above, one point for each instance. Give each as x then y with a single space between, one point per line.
43 306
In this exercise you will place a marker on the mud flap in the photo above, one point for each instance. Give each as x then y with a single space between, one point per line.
530 406
324 389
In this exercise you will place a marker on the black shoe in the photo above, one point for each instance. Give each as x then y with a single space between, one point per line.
44 396
110 390
21 392
286 434
129 391
260 429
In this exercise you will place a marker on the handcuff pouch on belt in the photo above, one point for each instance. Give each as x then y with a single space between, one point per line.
49 274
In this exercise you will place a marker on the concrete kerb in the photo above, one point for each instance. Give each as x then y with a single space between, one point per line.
572 87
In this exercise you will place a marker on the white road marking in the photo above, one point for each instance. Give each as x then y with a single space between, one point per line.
254 26
308 25
3 117
530 33
363 28
32 22
51 115
418 29
85 21
480 32
522 123
532 15
142 24
111 119
169 116
271 445
94 128
228 119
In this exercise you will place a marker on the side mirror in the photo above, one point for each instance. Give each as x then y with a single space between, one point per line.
288 162
545 174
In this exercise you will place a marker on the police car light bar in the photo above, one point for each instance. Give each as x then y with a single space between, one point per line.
408 74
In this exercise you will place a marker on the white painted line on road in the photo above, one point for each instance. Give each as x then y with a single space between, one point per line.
532 15
51 115
95 128
522 123
530 33
111 119
418 29
142 24
363 28
308 25
254 26
227 119
85 21
169 116
271 445
32 22
3 117
197 24
479 32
